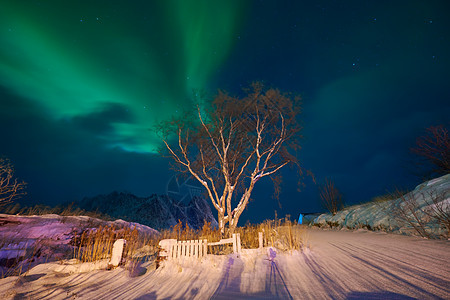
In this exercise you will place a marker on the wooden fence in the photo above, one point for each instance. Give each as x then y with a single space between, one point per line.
235 240
172 248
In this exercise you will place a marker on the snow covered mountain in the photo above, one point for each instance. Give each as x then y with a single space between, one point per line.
156 211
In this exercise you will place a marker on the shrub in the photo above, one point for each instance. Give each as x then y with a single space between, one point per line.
422 216
331 197
434 149
10 187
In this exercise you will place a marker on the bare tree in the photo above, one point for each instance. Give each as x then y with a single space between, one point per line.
10 188
331 197
424 210
434 148
230 145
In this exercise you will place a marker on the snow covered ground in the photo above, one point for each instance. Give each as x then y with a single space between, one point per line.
337 265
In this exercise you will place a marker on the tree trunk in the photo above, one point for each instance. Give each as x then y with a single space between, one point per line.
237 214
221 221
233 225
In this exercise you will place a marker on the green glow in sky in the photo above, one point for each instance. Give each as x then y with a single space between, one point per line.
77 61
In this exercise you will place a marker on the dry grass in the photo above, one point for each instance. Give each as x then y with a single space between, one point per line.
280 233
94 244
396 194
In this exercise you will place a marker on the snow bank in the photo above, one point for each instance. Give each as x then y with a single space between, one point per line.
56 227
31 240
380 216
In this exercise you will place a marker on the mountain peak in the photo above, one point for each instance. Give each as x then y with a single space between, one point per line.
156 211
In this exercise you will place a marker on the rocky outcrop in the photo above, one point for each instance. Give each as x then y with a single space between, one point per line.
424 211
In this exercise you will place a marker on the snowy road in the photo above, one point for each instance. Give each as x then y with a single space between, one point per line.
355 265
368 265
340 265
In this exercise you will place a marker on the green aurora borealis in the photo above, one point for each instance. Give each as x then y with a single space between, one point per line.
83 82
75 60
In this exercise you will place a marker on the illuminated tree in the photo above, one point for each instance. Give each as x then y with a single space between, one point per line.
10 188
434 148
232 143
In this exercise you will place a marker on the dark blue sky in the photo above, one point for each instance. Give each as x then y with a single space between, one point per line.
80 84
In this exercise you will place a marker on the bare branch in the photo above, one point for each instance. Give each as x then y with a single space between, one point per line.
330 196
209 134
434 148
238 142
10 187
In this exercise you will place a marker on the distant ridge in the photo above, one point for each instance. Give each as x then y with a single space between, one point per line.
155 211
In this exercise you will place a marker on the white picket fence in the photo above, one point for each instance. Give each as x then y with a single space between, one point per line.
192 248
172 248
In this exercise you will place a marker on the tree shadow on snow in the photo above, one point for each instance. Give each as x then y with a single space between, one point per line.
377 295
149 296
275 284
229 287
230 283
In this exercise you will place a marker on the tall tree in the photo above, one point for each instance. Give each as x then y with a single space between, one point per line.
229 145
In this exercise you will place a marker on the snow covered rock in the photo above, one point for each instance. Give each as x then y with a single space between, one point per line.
382 215
37 239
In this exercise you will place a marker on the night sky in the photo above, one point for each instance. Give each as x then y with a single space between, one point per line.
82 82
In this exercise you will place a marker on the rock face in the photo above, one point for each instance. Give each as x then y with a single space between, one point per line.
426 200
156 211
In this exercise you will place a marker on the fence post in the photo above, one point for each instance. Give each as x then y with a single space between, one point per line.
169 251
234 243
191 252
260 238
117 252
238 241
205 247
175 250
194 249
179 246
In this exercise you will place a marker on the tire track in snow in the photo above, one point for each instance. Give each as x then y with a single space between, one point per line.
390 272
406 267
